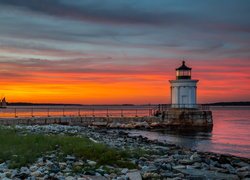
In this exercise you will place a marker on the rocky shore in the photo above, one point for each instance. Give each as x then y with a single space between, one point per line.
163 161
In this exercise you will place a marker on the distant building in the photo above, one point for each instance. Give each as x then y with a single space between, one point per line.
183 89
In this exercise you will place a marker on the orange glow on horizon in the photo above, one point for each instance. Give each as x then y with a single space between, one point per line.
140 86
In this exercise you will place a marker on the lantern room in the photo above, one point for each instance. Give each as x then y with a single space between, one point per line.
183 72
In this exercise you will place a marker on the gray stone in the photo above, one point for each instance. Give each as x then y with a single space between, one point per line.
195 157
33 168
91 163
124 171
134 175
246 168
245 174
186 161
229 168
24 170
179 167
69 178
3 166
36 173
70 158
208 174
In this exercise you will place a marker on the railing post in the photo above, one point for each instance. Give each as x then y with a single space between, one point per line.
15 113
63 112
93 112
48 112
136 113
79 112
121 112
32 112
107 112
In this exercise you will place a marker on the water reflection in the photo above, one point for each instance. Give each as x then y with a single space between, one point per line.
230 133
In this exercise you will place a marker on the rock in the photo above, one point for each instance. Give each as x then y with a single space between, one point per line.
24 170
195 157
33 168
208 174
91 163
62 165
99 124
5 178
242 164
151 176
186 161
229 168
3 166
166 166
94 178
150 168
134 175
179 167
36 173
245 174
54 168
168 174
69 178
246 168
124 171
2 175
70 158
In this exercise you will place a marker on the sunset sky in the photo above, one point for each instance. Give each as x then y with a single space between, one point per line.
122 51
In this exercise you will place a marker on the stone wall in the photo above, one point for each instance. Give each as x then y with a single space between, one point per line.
171 118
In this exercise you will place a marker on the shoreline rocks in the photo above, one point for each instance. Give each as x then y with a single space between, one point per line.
163 161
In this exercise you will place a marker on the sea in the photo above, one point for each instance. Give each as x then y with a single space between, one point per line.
230 133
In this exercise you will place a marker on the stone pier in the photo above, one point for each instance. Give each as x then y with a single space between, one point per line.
180 118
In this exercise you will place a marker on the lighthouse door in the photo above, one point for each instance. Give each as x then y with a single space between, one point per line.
184 101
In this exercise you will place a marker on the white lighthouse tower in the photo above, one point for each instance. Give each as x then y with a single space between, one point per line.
183 89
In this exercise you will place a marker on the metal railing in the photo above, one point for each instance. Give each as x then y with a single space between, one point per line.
16 112
94 111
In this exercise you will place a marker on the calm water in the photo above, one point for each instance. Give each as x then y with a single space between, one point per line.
230 134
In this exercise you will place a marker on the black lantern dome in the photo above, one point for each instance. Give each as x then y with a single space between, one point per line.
183 72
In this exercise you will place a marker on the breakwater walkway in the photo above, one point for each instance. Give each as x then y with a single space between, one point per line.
168 118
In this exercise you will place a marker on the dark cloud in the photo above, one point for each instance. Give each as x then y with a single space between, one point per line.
95 12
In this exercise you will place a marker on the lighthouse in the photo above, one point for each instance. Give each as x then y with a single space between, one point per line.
183 89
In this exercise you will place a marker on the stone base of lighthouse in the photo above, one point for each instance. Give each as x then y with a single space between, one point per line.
188 118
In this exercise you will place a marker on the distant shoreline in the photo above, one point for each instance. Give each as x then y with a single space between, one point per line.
247 103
